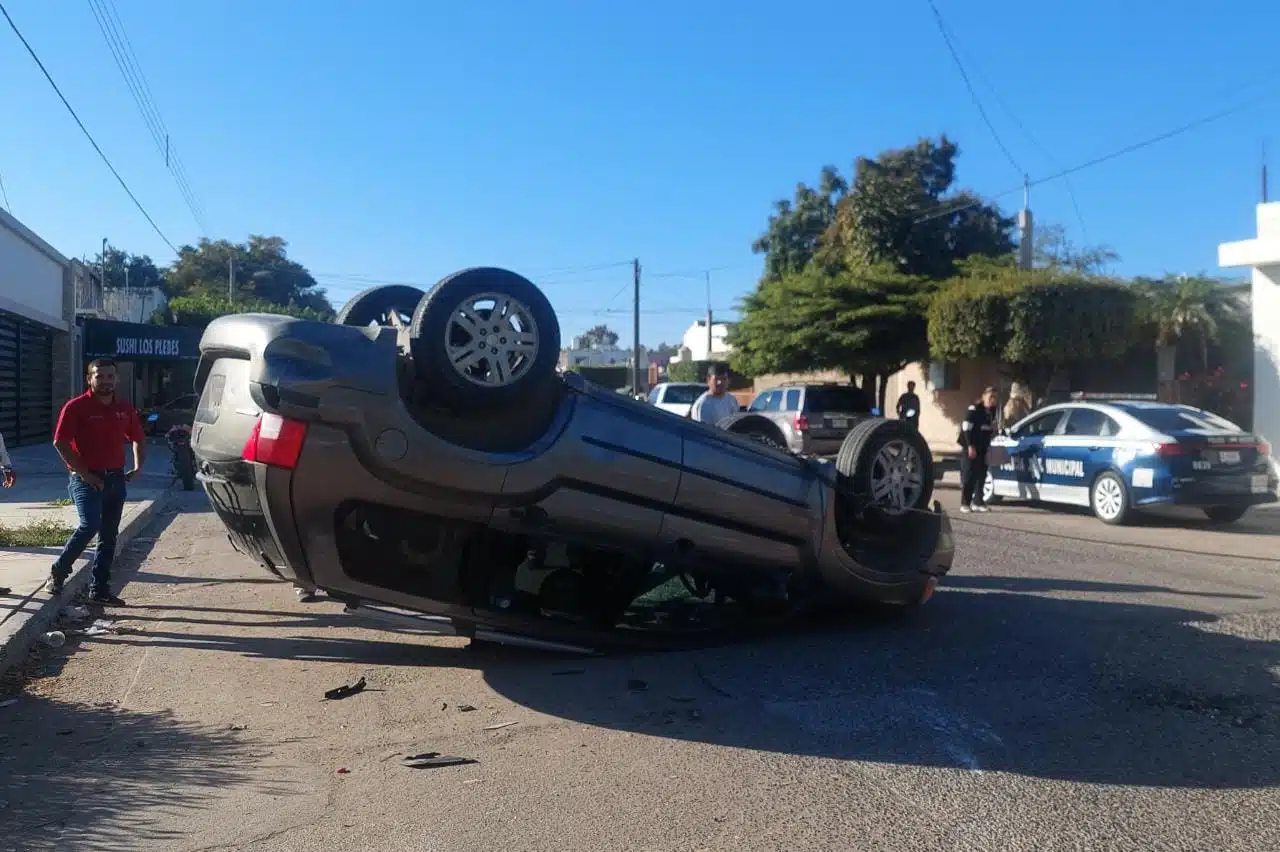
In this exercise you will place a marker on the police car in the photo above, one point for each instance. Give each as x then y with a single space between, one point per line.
1120 456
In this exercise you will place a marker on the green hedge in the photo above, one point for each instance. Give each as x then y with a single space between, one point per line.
696 371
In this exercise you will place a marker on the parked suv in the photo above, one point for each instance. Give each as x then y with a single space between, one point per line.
423 452
811 419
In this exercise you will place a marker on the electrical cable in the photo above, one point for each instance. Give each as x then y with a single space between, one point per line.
13 25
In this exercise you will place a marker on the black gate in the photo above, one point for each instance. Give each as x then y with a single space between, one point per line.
26 381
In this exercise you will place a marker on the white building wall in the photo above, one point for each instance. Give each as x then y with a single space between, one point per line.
1263 255
694 344
30 275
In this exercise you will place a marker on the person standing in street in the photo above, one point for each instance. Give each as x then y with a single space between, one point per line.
909 408
976 433
7 478
90 437
715 403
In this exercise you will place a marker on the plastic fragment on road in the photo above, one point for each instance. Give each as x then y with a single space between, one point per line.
342 770
99 627
465 708
434 760
340 692
500 725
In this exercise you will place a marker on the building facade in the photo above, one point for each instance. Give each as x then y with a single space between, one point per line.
1262 256
703 343
37 339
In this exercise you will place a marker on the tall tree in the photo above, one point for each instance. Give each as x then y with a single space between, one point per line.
1054 249
903 209
1189 311
600 335
796 227
262 270
129 270
867 321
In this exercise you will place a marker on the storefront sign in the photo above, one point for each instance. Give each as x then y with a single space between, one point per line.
132 341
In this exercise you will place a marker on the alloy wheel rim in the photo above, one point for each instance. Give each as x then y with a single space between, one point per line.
897 477
1107 498
491 340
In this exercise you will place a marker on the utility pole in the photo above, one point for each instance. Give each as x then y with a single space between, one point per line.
1026 228
231 280
635 344
708 314
102 267
1264 171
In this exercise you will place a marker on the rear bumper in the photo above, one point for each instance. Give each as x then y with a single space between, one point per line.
253 501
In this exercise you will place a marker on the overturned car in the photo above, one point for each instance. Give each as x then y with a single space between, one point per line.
423 453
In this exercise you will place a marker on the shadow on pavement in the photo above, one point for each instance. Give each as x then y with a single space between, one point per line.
1055 584
1071 690
81 777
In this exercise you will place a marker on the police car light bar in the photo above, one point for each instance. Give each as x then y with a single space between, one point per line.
1144 397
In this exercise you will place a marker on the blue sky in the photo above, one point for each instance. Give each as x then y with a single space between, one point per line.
400 141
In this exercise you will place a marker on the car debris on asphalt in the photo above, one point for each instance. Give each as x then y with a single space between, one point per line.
346 691
434 760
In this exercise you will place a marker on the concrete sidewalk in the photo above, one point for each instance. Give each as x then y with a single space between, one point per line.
42 480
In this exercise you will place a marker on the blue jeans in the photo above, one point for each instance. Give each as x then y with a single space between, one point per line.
99 515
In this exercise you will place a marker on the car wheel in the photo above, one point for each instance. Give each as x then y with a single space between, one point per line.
392 304
758 429
989 495
1225 514
886 468
485 337
1110 499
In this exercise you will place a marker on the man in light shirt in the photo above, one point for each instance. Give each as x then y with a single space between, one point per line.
8 478
716 403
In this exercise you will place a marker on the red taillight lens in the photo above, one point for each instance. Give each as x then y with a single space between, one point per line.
801 423
1264 448
275 441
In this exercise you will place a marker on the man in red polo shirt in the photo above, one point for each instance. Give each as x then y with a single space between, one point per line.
90 437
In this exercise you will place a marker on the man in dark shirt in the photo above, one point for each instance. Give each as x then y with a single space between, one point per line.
90 437
976 433
909 407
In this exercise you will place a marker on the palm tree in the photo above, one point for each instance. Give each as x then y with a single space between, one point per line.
1184 308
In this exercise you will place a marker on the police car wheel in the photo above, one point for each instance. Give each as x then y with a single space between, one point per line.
1225 514
1110 499
989 495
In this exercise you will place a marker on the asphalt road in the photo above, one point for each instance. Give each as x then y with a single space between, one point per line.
1072 687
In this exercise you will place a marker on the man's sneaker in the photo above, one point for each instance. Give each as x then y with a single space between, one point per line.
105 598
983 508
4 590
964 510
306 595
55 585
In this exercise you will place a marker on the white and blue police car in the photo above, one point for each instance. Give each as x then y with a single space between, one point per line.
1124 455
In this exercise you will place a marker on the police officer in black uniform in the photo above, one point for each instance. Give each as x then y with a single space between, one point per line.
976 432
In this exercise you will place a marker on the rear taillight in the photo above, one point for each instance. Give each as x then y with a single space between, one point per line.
1264 448
1167 450
801 423
275 441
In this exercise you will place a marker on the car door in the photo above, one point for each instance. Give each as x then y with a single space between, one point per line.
1082 446
1025 457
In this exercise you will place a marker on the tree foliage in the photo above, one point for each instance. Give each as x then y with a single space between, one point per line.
903 209
1036 321
865 321
263 271
1055 250
600 335
123 269
796 228
200 309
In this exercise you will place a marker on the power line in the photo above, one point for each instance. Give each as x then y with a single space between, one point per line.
973 94
85 130
1000 102
121 48
1104 158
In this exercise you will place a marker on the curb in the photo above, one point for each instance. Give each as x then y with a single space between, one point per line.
17 645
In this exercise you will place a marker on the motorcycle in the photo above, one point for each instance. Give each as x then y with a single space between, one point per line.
178 440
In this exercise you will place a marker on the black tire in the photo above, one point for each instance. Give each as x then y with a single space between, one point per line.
758 429
1225 514
1110 485
376 304
432 328
856 465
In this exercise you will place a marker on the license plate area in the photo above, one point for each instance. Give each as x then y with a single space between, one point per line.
1258 483
838 423
1225 457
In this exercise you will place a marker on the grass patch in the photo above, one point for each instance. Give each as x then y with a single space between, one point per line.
60 502
40 533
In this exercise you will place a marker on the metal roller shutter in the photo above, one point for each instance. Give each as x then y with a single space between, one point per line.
26 381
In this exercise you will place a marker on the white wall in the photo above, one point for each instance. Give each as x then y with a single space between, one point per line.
30 274
695 340
1263 255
